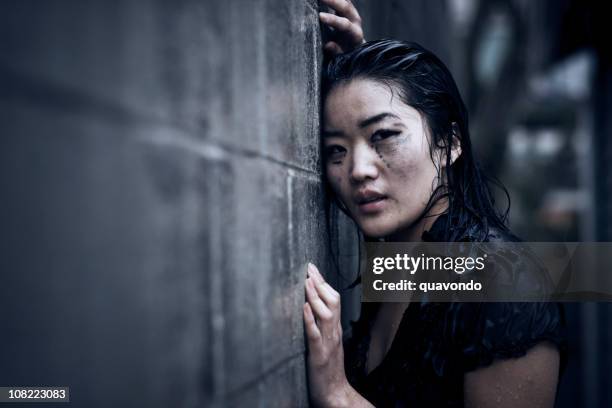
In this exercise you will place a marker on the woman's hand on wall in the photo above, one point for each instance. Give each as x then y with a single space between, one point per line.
346 24
326 377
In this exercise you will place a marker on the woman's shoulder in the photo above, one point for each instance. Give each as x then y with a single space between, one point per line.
449 228
495 330
474 334
480 332
514 271
496 234
462 337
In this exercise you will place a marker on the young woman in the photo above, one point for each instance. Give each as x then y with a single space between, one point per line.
398 159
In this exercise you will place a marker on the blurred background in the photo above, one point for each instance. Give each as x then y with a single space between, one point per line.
161 189
537 79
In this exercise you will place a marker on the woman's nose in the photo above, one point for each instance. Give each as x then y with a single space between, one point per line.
364 164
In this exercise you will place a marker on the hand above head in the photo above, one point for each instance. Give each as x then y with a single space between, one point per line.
346 23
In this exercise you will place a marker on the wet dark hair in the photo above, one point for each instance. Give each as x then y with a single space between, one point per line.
423 82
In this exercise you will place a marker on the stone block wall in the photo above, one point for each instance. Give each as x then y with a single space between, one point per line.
161 195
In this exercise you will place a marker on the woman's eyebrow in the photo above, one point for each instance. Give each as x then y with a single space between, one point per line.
363 124
376 118
332 133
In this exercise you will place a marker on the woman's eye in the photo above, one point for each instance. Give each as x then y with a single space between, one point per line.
334 153
383 134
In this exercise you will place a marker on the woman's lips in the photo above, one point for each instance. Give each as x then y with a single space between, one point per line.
373 206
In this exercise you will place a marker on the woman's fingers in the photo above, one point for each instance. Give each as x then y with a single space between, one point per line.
312 331
321 318
333 48
320 309
345 21
324 290
344 8
331 297
344 25
337 22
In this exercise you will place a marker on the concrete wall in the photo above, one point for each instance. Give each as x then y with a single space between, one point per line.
161 194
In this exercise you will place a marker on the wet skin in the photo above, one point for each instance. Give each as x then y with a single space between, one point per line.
375 144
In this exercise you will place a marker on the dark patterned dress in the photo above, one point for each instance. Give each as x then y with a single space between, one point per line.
437 343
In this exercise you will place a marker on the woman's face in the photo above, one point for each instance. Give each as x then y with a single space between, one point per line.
377 156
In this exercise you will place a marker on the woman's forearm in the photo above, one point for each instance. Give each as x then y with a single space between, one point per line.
349 397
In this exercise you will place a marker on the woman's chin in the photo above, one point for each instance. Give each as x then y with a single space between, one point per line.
389 228
376 229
